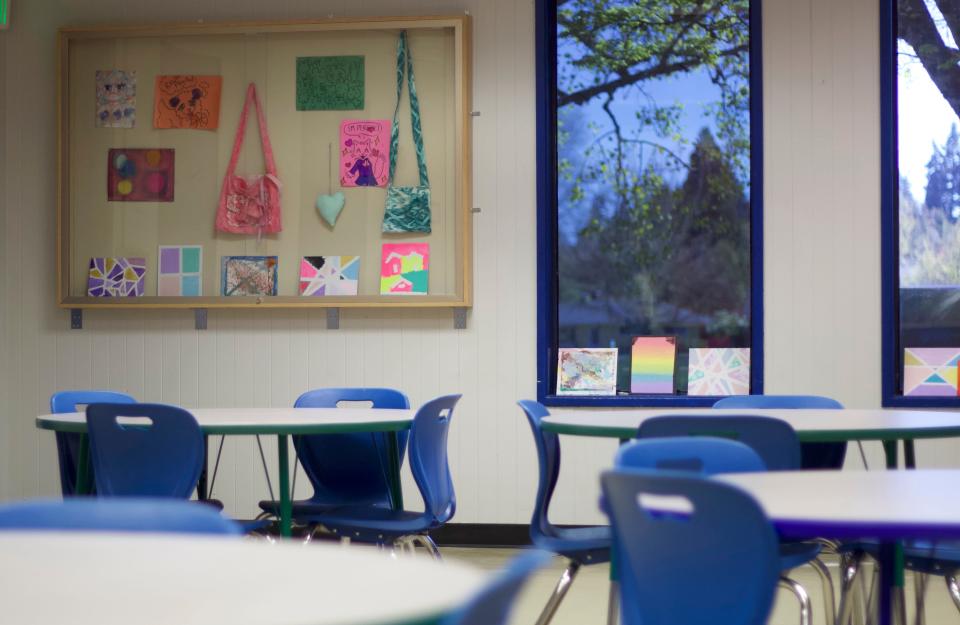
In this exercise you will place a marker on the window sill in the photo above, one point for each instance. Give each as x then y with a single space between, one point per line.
902 401
630 401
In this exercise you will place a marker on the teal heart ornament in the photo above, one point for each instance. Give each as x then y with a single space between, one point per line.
329 206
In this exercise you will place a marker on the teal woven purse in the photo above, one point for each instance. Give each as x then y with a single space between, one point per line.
408 208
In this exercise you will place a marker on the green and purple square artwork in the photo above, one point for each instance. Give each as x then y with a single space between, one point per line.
180 271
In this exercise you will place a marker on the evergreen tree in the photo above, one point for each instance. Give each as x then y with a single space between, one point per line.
943 177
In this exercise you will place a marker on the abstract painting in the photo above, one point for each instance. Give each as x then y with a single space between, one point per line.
719 371
248 275
404 268
652 362
330 83
930 371
329 275
140 175
116 277
587 371
187 102
364 152
116 98
179 272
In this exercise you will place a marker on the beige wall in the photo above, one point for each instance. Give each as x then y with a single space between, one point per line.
821 265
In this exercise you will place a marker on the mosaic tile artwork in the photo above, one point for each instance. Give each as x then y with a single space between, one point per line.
329 275
116 277
719 371
587 371
140 175
248 275
652 363
179 270
930 371
404 268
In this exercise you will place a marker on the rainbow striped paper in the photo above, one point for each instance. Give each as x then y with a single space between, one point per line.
652 361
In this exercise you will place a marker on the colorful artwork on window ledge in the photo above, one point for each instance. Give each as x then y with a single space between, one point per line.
587 371
248 275
404 268
652 363
116 277
329 275
180 270
719 371
930 371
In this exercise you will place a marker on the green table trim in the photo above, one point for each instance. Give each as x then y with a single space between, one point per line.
265 429
806 436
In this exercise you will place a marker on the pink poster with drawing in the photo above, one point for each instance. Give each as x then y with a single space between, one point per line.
364 152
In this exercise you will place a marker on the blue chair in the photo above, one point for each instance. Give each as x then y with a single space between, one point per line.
345 469
493 604
68 443
580 546
776 445
159 459
812 455
658 555
431 471
116 515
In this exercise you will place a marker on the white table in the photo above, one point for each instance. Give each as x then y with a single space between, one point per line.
281 422
890 506
144 579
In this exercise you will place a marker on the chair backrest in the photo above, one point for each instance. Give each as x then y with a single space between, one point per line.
428 457
68 443
723 529
159 459
812 455
548 457
117 515
349 468
774 440
777 401
705 455
492 605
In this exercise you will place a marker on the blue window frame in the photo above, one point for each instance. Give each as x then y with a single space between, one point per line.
920 199
602 133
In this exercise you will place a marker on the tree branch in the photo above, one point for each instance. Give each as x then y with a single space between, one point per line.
919 30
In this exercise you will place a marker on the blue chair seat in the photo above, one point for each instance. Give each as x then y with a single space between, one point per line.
586 545
793 555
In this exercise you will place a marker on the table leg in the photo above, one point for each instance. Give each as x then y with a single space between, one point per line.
890 449
202 480
393 471
909 454
84 484
286 507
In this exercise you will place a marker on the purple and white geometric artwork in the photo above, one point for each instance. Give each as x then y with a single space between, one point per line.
116 277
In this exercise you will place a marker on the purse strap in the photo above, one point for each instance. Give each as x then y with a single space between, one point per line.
242 130
405 60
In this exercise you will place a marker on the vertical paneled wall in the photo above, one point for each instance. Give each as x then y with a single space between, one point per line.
822 261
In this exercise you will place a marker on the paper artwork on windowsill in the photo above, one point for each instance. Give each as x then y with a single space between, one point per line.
652 363
719 371
930 371
587 371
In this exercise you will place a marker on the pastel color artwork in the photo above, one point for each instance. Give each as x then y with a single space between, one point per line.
652 363
329 275
931 371
718 371
179 271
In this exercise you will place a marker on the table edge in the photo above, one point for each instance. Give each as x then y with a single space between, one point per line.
278 429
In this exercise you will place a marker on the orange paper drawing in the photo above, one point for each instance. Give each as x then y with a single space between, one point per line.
187 102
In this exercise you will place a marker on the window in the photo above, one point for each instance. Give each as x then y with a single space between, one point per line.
649 184
920 141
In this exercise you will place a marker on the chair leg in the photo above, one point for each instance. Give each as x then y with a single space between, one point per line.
431 546
919 591
613 603
829 600
953 587
849 569
563 585
806 612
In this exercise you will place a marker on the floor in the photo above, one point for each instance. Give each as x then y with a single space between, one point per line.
586 602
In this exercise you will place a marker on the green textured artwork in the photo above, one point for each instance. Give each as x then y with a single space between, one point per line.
330 83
